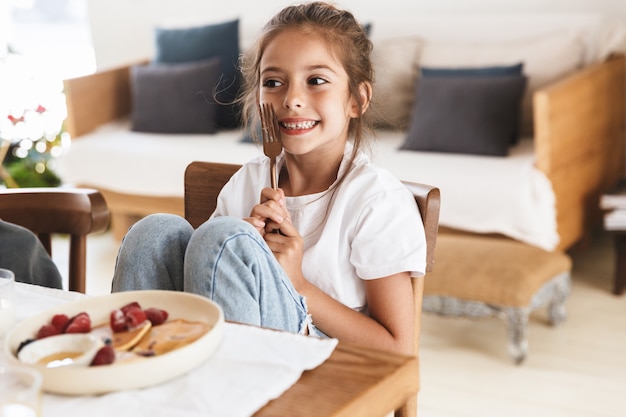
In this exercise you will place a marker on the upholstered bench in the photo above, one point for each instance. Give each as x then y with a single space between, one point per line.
479 276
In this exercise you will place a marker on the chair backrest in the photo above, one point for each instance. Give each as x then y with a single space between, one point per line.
204 180
46 211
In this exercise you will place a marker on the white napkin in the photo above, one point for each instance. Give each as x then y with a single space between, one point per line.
250 367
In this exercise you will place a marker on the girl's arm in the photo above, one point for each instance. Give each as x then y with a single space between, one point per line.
390 324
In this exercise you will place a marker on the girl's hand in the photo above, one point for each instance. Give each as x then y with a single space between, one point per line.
271 209
288 247
270 216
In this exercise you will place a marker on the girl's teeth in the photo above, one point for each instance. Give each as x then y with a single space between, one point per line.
299 125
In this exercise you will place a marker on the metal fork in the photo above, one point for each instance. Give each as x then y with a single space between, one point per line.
272 147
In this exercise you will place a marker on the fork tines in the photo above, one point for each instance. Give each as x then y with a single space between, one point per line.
272 146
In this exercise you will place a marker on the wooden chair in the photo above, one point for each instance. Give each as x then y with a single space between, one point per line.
204 180
46 211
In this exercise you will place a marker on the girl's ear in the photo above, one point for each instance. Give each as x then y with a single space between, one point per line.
365 93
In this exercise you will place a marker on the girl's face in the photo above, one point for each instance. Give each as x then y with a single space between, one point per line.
308 88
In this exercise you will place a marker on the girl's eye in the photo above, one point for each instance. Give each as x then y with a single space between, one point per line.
317 81
272 83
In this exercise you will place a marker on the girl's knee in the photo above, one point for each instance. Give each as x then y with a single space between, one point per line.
216 232
224 227
161 226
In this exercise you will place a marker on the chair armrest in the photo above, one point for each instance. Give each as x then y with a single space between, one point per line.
46 211
75 211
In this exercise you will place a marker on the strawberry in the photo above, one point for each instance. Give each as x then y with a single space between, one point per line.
117 321
47 330
104 356
129 306
60 321
80 323
134 317
156 315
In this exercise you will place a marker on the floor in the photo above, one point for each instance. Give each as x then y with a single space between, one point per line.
575 370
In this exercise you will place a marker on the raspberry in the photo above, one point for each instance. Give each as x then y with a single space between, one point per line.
47 330
129 306
134 317
60 321
156 315
118 321
104 356
80 323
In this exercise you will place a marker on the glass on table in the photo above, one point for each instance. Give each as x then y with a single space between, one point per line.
7 301
20 391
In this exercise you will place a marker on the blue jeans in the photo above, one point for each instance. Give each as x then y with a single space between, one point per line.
225 259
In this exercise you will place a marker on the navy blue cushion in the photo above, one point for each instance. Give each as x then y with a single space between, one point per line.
493 71
203 42
172 98
470 115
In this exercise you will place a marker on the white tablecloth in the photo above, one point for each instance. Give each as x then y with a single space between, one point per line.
251 367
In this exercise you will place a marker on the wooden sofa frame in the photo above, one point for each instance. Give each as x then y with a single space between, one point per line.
579 125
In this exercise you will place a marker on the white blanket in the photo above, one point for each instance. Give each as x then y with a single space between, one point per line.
478 193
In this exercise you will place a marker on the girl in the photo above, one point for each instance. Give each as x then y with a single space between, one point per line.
350 233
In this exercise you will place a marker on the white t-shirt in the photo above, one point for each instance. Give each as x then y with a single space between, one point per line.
372 230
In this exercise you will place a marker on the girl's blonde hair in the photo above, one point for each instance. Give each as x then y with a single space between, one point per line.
345 36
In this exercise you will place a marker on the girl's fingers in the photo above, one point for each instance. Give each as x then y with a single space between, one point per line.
285 228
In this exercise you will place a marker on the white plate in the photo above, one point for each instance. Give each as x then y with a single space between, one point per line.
132 374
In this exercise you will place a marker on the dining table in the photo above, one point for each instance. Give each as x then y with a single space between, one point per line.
295 375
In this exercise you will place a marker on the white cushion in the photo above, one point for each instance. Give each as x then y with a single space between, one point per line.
394 71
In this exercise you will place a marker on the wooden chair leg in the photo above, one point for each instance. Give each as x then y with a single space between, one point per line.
46 241
78 252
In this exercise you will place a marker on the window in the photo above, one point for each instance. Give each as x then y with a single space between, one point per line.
42 42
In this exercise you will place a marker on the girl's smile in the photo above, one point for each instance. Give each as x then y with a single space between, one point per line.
297 127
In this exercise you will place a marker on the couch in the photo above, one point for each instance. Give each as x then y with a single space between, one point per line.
549 139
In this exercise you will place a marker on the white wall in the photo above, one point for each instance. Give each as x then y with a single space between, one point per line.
122 29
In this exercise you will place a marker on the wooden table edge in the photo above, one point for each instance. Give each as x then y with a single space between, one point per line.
353 381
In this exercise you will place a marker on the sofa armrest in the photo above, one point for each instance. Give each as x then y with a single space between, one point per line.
96 99
579 142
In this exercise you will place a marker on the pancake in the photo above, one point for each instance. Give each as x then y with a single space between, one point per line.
169 336
123 341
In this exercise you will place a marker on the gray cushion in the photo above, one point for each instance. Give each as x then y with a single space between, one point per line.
176 45
471 115
173 98
492 71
